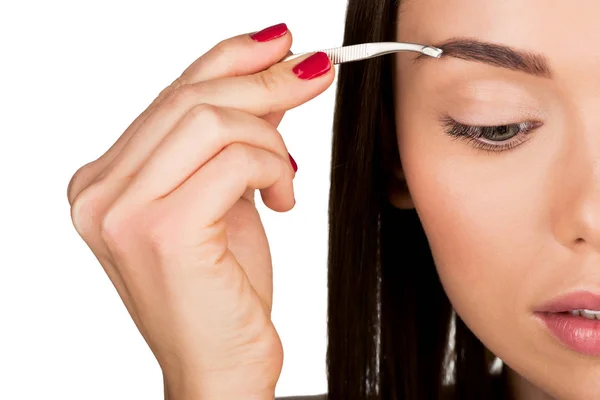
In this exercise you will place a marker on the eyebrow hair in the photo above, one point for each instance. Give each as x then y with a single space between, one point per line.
494 54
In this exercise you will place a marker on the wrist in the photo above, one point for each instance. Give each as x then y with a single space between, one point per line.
222 388
232 393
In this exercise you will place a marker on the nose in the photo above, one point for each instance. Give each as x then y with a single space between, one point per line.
576 205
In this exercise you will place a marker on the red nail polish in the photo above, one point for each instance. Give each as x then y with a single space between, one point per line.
270 33
313 66
294 165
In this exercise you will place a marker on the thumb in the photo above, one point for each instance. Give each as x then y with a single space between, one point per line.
275 118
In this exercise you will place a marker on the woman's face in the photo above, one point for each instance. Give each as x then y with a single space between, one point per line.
513 216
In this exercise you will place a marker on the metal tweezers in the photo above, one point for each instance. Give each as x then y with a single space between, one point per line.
363 51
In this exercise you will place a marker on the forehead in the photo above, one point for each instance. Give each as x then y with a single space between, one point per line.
557 28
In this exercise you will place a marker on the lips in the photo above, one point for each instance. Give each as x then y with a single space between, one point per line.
572 301
575 332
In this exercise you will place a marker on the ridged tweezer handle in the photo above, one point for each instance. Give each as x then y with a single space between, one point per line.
363 51
340 54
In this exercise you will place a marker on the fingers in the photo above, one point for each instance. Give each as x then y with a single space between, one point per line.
275 118
86 215
274 90
203 132
238 55
278 88
222 181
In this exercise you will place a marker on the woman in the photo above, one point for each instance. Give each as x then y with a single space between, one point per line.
481 207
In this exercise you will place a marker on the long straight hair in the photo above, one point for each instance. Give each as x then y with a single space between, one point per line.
388 316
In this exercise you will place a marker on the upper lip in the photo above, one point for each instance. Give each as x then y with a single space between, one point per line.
572 301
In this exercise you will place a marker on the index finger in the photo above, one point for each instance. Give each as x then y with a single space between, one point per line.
281 87
230 57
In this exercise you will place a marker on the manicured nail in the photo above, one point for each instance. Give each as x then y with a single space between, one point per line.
313 66
270 33
293 162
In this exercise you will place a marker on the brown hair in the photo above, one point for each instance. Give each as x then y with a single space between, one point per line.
388 315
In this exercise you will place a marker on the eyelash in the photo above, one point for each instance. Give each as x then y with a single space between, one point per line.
473 134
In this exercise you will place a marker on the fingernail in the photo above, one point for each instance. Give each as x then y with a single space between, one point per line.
270 33
313 66
293 162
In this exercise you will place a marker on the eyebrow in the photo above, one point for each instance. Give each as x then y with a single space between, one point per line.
494 54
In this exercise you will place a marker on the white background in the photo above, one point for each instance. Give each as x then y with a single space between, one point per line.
73 75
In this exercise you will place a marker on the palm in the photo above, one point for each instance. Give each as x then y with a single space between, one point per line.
248 242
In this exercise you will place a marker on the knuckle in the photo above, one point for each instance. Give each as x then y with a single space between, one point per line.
110 226
181 96
210 120
180 81
168 91
239 156
280 167
221 49
163 94
123 230
77 180
206 115
115 230
85 209
268 79
286 167
227 48
276 141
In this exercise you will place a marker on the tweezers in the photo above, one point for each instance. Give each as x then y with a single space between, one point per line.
357 52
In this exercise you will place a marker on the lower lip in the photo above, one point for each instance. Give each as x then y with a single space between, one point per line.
577 333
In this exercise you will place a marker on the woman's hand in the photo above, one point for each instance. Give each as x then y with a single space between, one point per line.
169 212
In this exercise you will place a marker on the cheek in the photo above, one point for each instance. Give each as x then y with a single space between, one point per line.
482 222
476 250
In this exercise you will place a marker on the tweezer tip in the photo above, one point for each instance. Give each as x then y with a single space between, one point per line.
432 51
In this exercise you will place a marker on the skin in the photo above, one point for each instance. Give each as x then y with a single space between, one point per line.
521 225
169 212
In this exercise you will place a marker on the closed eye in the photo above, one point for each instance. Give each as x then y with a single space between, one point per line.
493 138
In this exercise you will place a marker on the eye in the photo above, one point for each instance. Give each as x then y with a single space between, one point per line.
490 138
